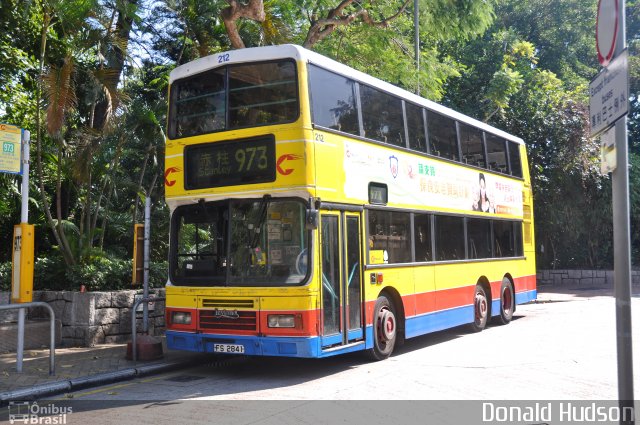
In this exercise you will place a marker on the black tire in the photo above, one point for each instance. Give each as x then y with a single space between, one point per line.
480 309
385 329
507 302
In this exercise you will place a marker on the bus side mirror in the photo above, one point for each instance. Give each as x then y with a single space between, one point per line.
312 219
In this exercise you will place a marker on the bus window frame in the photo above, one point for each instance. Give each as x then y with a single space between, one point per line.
211 281
171 110
432 219
425 117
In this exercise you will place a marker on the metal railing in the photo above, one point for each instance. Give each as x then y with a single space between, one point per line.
52 332
134 332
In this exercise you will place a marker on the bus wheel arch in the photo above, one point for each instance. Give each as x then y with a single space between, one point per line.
507 300
388 324
481 304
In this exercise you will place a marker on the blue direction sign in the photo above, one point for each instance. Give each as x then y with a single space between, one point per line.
10 149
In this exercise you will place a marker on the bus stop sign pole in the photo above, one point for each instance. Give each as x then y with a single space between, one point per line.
622 242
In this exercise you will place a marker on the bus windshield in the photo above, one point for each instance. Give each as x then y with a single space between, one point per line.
240 243
234 96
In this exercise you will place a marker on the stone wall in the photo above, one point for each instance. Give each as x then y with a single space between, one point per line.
7 315
581 278
90 318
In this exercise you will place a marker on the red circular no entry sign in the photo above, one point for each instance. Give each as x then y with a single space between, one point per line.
606 30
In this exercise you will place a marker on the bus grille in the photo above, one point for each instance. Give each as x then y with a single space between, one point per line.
222 303
246 321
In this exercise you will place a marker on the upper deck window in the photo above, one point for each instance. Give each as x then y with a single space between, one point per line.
333 101
514 159
472 146
415 125
234 96
496 153
382 116
442 136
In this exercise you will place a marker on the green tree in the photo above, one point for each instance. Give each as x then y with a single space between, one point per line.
528 74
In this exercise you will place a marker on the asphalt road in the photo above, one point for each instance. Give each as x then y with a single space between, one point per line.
560 348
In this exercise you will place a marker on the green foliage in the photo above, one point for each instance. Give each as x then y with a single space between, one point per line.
5 276
102 274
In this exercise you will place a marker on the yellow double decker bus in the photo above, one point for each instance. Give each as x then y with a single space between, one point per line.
316 210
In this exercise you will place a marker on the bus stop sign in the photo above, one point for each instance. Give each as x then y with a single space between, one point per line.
607 24
10 149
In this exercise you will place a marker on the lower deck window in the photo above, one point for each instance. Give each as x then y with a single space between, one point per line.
400 237
390 231
449 238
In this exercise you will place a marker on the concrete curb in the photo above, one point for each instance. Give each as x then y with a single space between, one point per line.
57 387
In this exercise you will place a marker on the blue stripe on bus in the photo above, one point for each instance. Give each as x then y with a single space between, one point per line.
438 321
256 346
525 297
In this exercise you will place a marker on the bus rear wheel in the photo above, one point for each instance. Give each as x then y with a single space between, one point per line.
385 329
507 302
480 309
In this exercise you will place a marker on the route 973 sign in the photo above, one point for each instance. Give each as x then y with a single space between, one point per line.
10 149
609 94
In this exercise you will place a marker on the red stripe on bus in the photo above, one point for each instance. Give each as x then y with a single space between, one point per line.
430 302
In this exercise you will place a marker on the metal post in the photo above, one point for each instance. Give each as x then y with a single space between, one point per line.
52 328
147 234
20 346
622 249
134 331
24 213
416 42
24 218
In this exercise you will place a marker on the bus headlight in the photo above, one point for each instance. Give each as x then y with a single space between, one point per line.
281 321
181 318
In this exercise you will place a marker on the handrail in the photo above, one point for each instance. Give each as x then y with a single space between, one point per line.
133 323
52 331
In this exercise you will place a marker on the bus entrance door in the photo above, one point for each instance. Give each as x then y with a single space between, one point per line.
341 272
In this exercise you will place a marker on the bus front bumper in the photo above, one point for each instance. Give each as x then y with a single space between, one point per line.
252 345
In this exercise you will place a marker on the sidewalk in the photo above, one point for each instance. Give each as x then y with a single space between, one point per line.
79 368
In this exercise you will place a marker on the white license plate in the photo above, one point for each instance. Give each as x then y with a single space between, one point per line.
228 348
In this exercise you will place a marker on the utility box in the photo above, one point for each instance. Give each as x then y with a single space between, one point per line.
22 264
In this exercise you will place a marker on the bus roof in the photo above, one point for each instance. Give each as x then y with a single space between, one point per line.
299 53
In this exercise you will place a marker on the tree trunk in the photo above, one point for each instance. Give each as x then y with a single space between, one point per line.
67 255
253 10
63 236
322 28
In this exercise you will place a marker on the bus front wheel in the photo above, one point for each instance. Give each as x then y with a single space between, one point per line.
480 309
507 302
385 328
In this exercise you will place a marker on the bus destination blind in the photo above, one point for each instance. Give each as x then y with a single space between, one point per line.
230 163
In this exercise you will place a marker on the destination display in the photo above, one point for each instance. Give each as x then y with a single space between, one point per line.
230 163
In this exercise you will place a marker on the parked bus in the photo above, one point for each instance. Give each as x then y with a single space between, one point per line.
316 210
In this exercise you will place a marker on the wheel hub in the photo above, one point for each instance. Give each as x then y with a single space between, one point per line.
481 306
387 325
507 300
